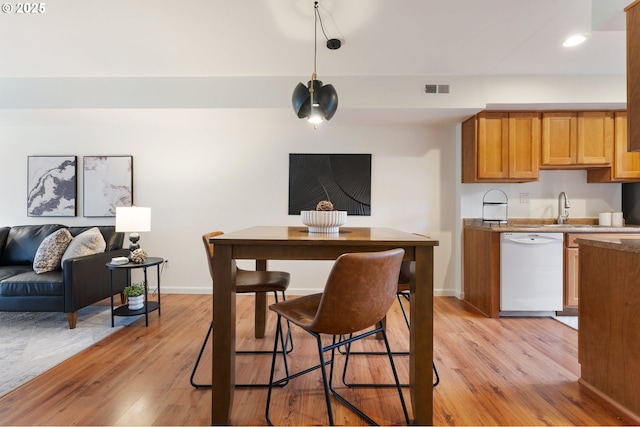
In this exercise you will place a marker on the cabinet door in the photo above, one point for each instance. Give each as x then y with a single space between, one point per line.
633 75
524 145
493 148
571 270
626 164
559 139
595 137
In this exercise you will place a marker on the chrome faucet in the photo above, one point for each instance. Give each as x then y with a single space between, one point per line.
563 216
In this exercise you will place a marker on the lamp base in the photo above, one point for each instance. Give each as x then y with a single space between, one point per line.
133 238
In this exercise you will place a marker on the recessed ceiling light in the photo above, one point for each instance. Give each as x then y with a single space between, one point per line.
576 39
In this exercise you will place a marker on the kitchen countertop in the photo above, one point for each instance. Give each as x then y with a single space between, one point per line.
548 225
617 244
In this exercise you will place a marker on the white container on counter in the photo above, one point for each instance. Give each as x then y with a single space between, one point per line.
604 218
616 219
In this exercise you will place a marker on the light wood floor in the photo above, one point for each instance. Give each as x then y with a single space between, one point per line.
493 372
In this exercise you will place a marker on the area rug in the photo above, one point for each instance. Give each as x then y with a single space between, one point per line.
570 321
32 343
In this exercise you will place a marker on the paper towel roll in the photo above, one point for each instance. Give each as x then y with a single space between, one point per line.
604 218
616 219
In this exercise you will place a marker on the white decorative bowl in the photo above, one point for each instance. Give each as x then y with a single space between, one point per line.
324 221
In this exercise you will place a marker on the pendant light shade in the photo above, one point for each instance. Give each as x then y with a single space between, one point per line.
325 100
315 101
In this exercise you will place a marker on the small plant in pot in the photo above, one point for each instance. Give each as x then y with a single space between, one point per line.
135 295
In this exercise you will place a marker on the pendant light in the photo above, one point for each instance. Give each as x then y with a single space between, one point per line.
316 102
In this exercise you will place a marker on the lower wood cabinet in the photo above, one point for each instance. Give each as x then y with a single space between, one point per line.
572 263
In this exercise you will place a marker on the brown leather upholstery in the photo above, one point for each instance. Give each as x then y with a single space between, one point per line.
250 281
359 291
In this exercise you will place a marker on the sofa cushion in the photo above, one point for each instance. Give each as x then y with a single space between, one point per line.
51 250
113 239
23 242
31 284
86 243
8 271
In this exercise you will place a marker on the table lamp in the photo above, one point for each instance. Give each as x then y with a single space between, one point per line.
133 220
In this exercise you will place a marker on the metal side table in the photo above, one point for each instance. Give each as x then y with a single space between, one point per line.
149 306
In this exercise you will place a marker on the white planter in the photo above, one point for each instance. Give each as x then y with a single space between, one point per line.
324 221
136 303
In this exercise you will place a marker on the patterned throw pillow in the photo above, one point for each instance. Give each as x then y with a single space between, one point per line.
86 243
49 253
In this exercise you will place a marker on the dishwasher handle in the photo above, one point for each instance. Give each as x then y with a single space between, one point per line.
531 239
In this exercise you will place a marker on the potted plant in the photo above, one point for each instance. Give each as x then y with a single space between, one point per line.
135 295
324 219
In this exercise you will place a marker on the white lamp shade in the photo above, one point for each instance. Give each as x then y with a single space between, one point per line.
133 219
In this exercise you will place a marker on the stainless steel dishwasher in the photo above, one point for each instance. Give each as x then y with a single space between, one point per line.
531 274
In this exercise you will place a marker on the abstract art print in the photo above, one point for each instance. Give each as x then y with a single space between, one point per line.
108 183
343 179
51 185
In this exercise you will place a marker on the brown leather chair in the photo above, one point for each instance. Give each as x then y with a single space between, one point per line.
247 281
406 276
360 289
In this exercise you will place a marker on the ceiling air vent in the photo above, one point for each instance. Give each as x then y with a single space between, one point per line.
435 88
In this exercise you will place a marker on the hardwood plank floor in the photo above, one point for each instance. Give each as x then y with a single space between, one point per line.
493 372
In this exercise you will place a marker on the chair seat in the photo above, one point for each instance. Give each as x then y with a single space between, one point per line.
261 281
301 311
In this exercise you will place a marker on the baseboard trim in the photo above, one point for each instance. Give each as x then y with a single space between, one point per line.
632 417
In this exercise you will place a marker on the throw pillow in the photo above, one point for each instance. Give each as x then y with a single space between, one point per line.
50 251
86 243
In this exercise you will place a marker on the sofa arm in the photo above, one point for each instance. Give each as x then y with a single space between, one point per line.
87 279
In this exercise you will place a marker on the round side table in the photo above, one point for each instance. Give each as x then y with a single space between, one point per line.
148 306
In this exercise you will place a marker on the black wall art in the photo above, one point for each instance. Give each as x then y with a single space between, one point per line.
343 179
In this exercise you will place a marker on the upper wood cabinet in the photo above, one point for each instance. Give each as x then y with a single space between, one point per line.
501 147
576 139
625 165
633 75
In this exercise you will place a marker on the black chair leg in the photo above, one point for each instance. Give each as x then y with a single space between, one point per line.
287 345
348 353
195 368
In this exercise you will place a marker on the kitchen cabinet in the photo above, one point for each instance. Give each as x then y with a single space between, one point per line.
501 147
481 259
571 270
633 75
608 344
625 165
572 264
576 139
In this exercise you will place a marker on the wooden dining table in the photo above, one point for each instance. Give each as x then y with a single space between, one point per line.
297 243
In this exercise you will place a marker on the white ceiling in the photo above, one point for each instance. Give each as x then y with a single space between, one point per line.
269 38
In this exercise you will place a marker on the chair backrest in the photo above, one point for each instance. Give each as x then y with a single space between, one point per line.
209 248
359 291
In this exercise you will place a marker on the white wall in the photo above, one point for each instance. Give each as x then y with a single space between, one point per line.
212 153
199 174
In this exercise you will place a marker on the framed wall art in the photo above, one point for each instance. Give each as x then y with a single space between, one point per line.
108 183
343 179
51 185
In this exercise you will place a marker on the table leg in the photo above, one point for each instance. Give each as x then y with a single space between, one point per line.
421 358
260 305
224 336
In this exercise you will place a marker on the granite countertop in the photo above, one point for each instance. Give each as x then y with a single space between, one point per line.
616 244
548 225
